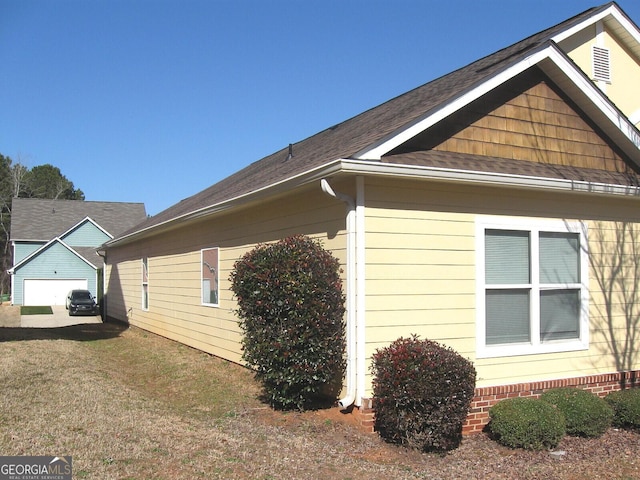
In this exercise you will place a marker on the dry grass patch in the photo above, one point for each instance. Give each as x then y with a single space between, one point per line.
185 379
130 405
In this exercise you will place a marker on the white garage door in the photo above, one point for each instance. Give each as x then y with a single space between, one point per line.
49 292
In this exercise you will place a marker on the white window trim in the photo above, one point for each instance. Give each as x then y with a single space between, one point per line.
144 263
535 346
217 267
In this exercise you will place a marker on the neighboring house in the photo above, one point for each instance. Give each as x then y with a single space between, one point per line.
495 210
54 246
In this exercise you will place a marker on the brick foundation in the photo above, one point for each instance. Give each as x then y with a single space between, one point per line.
486 397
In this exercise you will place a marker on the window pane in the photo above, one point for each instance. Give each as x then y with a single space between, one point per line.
210 276
559 314
559 257
145 270
506 257
145 297
507 316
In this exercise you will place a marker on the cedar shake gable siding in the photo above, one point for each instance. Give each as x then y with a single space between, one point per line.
525 127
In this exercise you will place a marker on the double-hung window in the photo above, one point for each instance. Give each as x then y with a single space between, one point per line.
532 286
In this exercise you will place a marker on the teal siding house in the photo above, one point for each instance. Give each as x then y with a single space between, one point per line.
55 244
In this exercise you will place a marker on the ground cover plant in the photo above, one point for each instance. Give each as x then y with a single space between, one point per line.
127 404
291 309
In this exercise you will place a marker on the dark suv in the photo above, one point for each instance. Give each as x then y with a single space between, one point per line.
81 302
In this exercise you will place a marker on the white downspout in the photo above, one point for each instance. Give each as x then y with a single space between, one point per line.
360 262
351 373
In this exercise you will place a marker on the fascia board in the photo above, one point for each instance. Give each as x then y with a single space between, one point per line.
550 52
612 11
37 252
365 167
618 122
285 185
560 36
360 167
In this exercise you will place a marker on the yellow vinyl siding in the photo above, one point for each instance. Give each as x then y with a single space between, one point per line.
625 68
421 270
420 267
175 309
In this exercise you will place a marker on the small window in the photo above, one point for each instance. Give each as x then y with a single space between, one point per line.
532 294
601 64
210 276
145 283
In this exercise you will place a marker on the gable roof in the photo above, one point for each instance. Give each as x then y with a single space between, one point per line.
84 254
361 143
37 219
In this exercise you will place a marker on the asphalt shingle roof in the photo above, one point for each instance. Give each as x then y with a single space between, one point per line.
346 139
44 219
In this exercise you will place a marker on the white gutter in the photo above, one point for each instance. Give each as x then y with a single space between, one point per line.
351 373
367 167
486 178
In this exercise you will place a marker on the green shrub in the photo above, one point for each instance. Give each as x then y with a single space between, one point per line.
291 308
422 392
626 407
585 414
526 423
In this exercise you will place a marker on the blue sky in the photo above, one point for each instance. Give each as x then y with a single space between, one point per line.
154 100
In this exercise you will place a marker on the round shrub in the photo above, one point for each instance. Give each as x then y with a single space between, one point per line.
291 309
626 407
422 392
526 423
585 414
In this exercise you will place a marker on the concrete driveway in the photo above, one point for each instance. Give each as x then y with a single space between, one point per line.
60 318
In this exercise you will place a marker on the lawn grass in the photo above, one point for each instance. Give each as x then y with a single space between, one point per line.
127 404
36 310
188 380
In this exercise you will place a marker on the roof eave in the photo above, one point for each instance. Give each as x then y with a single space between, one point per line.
503 180
304 178
365 167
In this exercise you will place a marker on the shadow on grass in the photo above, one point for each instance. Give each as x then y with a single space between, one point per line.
82 333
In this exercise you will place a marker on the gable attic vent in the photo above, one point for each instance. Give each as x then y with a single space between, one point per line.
601 64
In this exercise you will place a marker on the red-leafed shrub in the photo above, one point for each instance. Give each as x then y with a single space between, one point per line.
291 308
422 393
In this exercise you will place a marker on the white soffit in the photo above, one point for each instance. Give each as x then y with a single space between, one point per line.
615 21
561 70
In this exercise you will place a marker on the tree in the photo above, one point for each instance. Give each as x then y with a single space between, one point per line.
46 181
6 193
16 180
